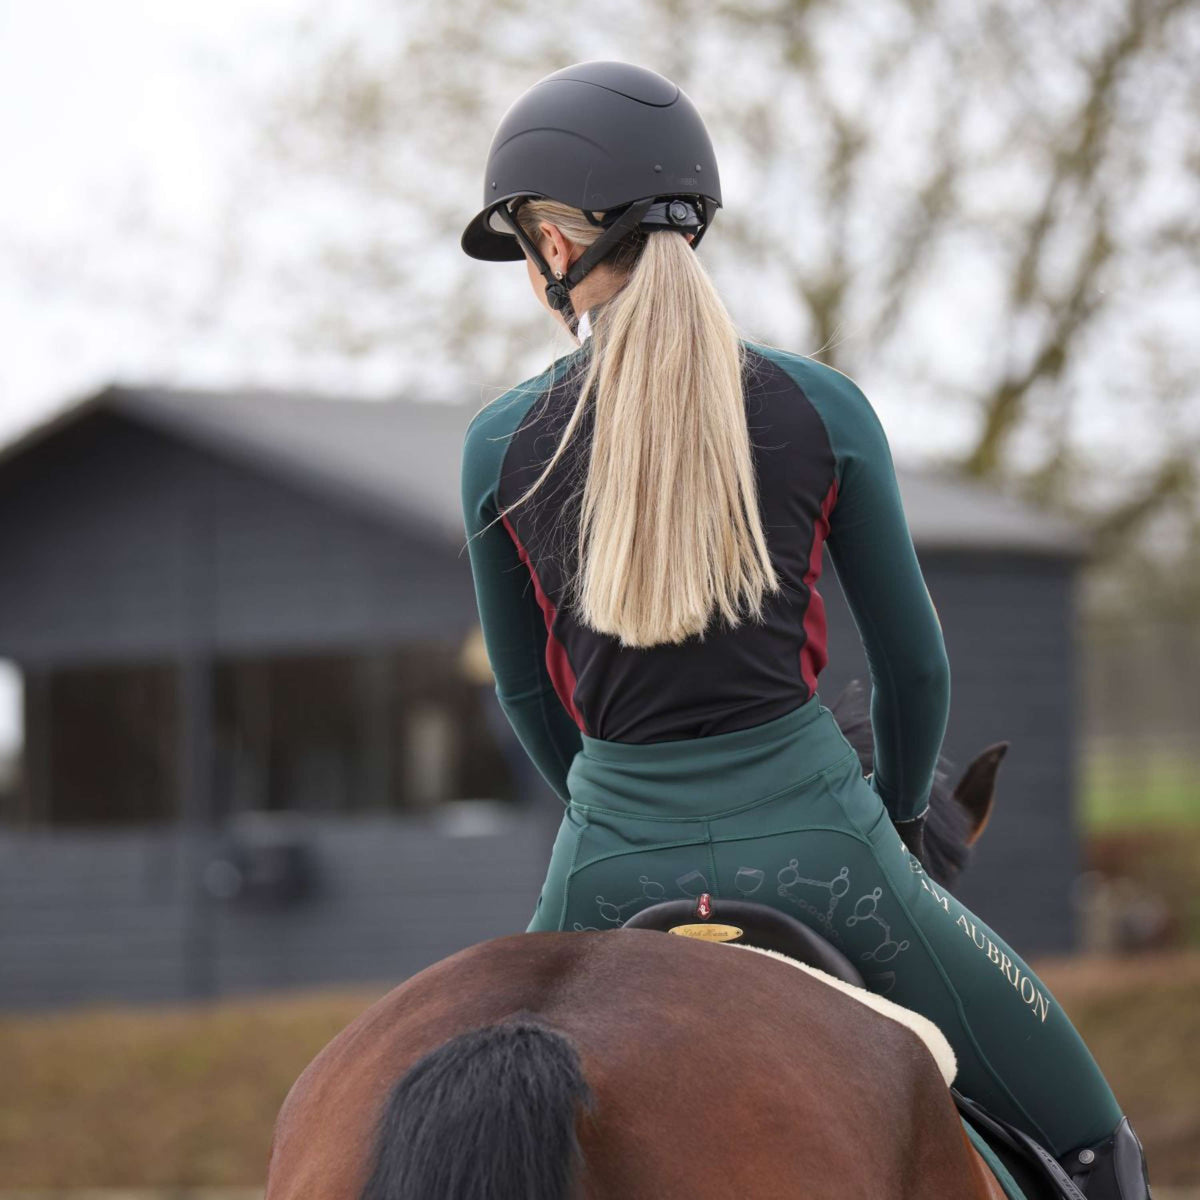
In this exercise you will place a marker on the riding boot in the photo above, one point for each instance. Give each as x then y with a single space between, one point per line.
1112 1169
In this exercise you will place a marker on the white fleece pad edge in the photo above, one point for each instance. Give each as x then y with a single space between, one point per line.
923 1027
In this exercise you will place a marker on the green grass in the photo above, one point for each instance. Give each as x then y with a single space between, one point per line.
1123 791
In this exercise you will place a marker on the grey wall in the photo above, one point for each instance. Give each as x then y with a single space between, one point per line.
106 917
1009 632
128 543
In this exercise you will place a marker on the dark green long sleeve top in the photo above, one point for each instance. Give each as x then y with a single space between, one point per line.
825 479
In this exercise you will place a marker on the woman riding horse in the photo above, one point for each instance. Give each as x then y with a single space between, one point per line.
646 524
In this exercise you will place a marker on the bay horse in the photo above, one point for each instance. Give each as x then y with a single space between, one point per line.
625 1065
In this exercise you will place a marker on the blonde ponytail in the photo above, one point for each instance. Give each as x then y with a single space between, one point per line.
670 532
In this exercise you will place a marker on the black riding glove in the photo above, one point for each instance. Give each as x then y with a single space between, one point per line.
912 834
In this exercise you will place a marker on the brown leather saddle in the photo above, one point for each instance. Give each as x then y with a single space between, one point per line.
746 923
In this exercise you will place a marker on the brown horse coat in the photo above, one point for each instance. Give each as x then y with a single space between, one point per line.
714 1075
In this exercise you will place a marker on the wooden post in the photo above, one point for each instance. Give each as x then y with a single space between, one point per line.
197 561
35 795
252 735
376 727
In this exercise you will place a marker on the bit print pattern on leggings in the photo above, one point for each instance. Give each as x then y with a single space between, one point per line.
818 899
790 882
652 892
866 908
614 913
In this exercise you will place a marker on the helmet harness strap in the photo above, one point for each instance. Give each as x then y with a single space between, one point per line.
558 291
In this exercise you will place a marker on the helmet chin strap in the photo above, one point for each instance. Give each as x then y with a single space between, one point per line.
558 291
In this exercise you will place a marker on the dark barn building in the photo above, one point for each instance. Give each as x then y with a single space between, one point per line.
258 751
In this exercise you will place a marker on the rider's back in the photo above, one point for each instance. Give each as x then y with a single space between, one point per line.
824 476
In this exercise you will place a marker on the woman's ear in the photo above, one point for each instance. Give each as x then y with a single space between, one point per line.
559 250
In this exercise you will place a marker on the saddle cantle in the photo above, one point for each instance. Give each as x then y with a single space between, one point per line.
742 922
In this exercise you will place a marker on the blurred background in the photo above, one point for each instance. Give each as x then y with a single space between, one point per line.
252 772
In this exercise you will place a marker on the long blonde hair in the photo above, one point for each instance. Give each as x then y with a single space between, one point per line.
670 531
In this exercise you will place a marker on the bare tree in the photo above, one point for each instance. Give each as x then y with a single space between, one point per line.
987 213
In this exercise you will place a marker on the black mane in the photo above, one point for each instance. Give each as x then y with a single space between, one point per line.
946 830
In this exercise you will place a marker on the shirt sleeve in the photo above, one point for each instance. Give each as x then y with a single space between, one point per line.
872 551
514 630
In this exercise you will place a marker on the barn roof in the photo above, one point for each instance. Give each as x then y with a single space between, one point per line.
402 456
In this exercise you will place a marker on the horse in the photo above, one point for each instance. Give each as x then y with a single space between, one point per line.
625 1064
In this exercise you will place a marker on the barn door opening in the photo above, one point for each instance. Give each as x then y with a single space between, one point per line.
100 746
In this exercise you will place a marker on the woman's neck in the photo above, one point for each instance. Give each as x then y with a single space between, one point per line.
597 287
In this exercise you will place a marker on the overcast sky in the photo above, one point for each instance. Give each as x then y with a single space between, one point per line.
111 120
115 115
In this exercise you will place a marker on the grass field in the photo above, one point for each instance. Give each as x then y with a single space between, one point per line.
1123 791
1140 814
186 1097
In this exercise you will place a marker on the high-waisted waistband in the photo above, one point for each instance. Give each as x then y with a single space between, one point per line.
699 777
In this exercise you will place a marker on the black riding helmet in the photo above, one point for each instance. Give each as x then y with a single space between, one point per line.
604 137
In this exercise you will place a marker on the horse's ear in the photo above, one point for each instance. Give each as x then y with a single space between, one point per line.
976 790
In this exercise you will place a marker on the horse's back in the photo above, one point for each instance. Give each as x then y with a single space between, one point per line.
325 1132
713 1074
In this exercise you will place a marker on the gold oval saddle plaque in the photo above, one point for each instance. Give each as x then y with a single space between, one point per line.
708 932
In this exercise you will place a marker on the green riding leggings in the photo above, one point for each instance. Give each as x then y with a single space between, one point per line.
781 814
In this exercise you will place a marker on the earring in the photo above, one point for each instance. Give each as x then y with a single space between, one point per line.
558 274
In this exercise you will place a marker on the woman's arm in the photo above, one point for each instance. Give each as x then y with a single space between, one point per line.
876 564
872 551
514 629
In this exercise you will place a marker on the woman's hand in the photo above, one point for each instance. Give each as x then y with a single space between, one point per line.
912 834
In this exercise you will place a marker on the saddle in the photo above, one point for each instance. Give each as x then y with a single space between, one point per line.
746 923
1024 1169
